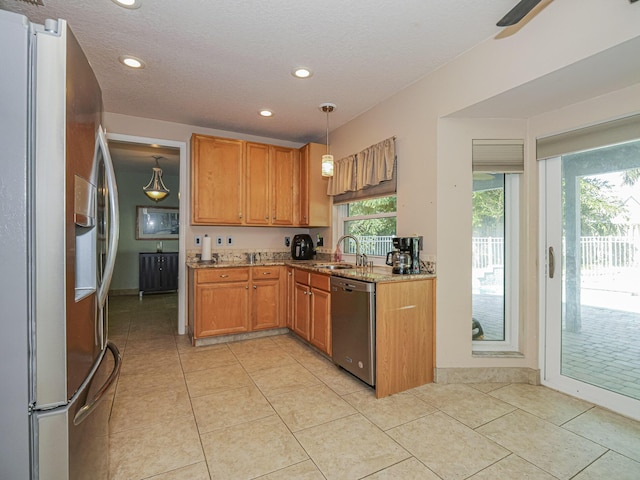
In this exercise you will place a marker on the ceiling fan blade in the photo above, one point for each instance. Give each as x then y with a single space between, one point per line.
517 13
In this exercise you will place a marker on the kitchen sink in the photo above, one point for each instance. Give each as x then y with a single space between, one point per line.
334 266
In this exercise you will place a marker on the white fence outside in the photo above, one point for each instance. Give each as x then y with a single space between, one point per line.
370 245
606 261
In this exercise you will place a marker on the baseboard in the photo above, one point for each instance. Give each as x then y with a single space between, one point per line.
128 291
488 375
236 337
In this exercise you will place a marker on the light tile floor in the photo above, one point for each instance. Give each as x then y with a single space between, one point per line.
274 409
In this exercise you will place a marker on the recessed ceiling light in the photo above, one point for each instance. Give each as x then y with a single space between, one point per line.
128 3
130 61
301 72
266 113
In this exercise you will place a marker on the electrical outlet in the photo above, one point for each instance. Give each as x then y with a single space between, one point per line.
219 241
198 240
287 241
229 241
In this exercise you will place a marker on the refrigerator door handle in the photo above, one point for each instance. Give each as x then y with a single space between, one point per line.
92 403
114 224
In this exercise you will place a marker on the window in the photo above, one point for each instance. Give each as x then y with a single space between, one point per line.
495 242
372 221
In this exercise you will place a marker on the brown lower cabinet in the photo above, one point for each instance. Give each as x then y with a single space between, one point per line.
244 299
312 308
235 300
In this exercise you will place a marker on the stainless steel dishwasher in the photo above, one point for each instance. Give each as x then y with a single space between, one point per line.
353 327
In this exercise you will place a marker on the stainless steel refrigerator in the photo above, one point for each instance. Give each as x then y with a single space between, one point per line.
58 238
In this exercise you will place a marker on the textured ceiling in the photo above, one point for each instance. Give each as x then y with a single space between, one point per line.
215 63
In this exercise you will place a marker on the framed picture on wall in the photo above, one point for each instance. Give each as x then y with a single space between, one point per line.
157 223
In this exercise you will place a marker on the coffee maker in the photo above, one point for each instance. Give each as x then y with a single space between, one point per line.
406 258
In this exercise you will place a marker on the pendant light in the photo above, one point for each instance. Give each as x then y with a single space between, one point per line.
156 189
327 159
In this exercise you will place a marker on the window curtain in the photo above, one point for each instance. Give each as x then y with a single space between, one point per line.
344 176
371 172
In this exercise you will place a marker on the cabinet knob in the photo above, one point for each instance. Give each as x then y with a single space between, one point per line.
247 287
268 273
223 275
239 215
255 287
305 292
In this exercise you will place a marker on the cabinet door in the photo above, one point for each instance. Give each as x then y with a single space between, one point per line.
221 308
170 271
301 302
257 184
320 331
265 304
283 168
217 181
289 302
149 274
303 185
314 204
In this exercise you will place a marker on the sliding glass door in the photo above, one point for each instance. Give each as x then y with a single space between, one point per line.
591 275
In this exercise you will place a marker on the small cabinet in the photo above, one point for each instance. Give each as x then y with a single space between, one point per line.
158 272
314 205
226 301
266 305
312 309
320 328
217 181
270 181
221 301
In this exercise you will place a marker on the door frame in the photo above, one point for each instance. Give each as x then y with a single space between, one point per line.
550 373
182 237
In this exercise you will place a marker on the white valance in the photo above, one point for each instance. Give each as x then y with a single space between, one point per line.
368 168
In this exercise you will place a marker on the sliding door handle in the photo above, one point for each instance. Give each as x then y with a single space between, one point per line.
552 263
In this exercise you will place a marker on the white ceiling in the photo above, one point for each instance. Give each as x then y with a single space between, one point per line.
214 63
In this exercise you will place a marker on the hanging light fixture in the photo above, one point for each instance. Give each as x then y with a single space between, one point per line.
327 159
156 189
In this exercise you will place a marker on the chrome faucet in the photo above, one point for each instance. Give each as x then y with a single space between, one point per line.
361 258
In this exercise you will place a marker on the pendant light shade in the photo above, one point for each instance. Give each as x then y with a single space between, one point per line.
155 189
327 160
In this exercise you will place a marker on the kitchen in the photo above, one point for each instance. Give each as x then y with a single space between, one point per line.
434 198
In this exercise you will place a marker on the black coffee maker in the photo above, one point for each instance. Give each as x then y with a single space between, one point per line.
302 247
406 258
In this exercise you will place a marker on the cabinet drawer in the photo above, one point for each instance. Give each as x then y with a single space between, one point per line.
265 273
301 276
320 281
219 275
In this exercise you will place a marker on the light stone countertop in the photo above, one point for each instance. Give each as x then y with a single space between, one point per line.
377 274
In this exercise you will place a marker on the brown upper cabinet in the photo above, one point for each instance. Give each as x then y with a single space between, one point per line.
270 181
217 181
245 183
315 204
